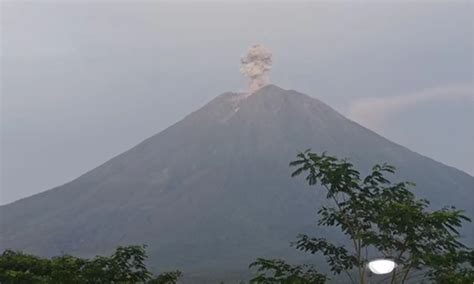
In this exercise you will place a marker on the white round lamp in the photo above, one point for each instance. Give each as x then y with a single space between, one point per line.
381 266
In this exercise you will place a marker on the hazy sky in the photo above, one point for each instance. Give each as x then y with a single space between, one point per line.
84 81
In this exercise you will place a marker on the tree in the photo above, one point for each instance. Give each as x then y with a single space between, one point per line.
381 218
125 265
22 268
283 273
166 278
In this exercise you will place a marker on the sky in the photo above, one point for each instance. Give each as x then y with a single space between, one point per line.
84 81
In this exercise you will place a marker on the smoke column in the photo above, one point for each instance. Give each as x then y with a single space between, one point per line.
256 65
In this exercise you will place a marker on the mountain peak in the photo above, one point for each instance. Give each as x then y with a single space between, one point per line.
270 88
272 91
268 100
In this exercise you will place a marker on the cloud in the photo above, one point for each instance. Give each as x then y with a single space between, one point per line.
374 111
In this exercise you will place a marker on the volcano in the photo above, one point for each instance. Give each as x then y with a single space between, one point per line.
213 192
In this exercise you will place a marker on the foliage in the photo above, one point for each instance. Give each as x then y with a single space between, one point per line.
284 273
126 265
382 218
166 278
453 268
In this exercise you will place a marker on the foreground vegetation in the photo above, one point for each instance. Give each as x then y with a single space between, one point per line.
377 217
126 265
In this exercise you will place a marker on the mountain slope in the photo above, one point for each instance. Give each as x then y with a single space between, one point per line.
213 192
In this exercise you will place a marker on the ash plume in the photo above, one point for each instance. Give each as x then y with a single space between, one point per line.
256 65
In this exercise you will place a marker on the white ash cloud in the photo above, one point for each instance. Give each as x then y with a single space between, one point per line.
373 112
256 66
